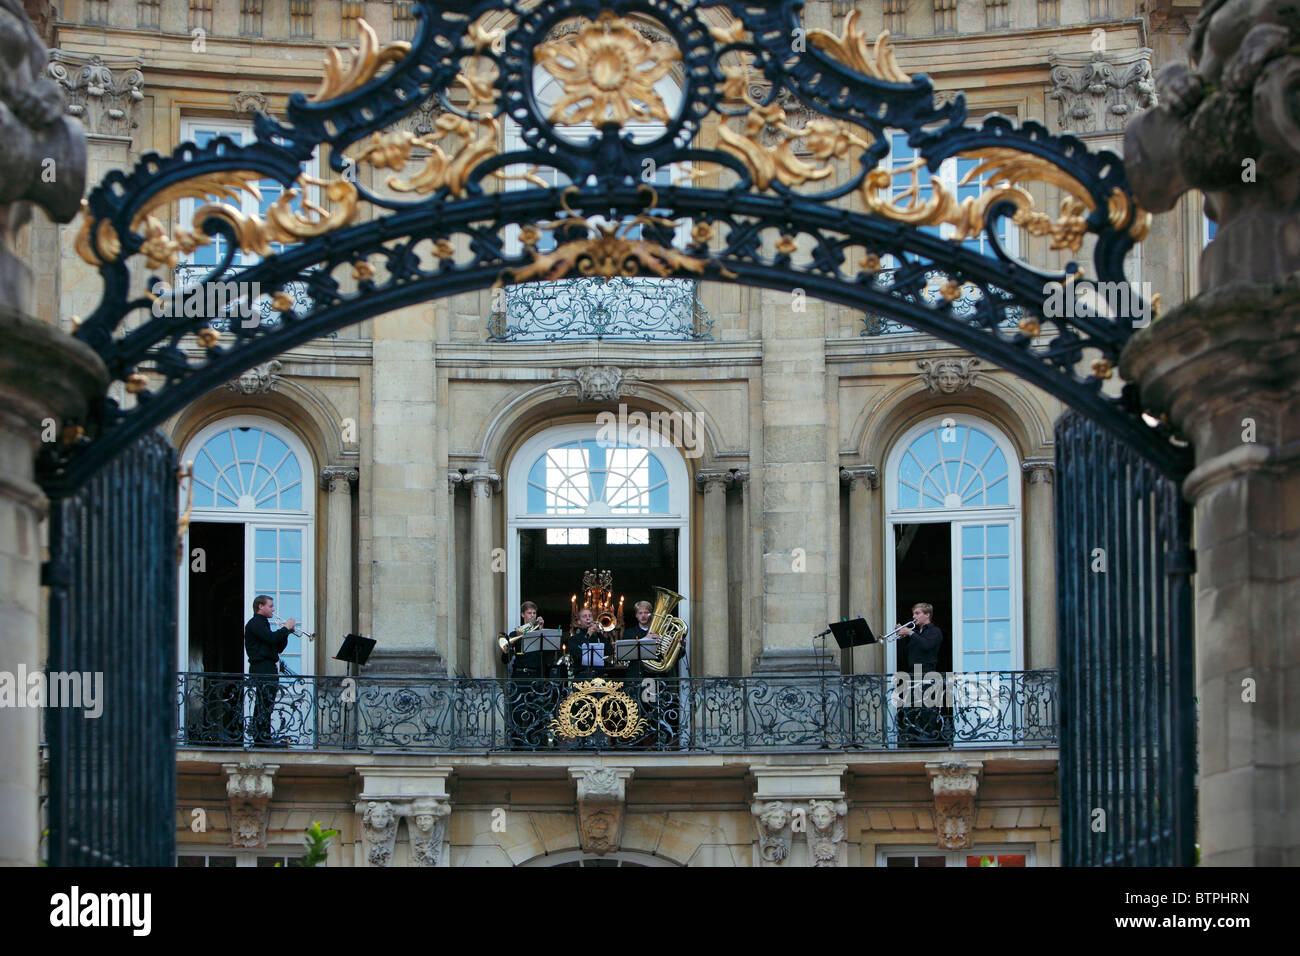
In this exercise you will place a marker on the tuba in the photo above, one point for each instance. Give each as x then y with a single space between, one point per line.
672 631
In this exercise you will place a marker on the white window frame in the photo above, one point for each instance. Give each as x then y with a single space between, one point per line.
243 858
957 518
241 131
518 519
251 520
957 858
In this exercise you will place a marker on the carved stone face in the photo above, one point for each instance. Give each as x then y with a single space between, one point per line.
424 821
381 816
774 818
948 375
822 816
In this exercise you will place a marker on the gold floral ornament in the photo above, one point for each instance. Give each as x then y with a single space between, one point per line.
606 251
476 134
608 73
598 705
850 49
346 70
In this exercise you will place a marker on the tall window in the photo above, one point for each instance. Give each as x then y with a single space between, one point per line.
953 502
253 520
199 263
622 499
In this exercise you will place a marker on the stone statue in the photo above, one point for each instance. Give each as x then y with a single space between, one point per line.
430 817
1230 126
773 819
43 161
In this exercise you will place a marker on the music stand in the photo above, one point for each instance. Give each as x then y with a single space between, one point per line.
851 634
636 649
354 652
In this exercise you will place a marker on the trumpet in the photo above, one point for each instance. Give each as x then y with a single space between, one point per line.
504 642
893 635
297 628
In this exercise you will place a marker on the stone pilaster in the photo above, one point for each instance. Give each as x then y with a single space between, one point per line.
249 789
482 614
602 795
955 786
713 640
1040 563
1225 368
793 494
865 561
340 587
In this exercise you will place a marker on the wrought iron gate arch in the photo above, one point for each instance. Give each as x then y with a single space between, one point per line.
736 69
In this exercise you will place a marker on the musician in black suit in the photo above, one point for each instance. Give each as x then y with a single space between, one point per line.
263 647
519 663
637 633
924 640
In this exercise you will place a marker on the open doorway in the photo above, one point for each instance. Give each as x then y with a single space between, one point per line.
217 612
923 559
552 561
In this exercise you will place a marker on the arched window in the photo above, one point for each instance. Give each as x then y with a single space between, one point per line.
952 499
251 532
579 500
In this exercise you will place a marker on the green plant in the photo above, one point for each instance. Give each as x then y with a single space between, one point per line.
317 842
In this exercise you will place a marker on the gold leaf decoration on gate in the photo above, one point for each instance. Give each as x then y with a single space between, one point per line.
851 49
598 705
345 70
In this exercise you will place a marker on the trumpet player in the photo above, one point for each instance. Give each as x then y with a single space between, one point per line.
264 646
586 631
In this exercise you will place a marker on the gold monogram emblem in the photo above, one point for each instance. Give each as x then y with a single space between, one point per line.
598 705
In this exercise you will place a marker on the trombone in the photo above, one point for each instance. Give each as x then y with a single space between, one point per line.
504 642
297 628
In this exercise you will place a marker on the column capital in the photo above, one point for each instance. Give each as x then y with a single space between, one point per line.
1038 470
483 483
338 478
707 481
865 475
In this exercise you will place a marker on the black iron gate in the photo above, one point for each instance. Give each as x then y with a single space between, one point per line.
112 577
1128 725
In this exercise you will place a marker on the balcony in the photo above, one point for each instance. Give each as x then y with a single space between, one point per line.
872 712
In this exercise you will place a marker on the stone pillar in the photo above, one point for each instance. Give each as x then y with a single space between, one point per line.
389 794
866 563
1040 563
794 485
713 642
482 613
1225 367
46 381
339 584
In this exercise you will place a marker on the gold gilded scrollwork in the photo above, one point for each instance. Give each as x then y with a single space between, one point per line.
598 705
605 251
345 70
608 73
851 49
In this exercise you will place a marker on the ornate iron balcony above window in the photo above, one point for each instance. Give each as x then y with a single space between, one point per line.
637 309
877 712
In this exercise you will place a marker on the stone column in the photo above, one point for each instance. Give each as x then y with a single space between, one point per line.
1040 563
866 563
339 584
713 642
46 382
1225 367
794 483
482 614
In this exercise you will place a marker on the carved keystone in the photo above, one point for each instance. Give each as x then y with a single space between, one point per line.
602 793
955 785
249 787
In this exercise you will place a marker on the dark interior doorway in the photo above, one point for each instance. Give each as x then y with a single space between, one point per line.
923 573
217 612
551 574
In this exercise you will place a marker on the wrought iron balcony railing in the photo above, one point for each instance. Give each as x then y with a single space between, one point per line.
867 712
621 308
